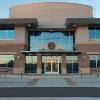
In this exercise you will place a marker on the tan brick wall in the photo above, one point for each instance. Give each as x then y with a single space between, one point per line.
84 70
18 70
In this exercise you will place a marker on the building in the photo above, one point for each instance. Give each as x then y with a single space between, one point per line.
50 38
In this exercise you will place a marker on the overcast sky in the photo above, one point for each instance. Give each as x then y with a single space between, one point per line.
6 4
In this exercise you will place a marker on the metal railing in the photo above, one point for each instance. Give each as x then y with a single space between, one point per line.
97 71
80 73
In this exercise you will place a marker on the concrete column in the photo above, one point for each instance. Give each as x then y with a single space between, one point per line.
39 64
63 65
83 62
19 64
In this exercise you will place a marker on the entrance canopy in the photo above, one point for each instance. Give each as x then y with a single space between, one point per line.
51 52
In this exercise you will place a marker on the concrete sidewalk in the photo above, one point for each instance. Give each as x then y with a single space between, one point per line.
49 81
51 98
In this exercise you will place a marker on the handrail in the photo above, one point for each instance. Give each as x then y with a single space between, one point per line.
96 70
81 73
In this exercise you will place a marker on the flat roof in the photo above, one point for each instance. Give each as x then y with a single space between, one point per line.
74 22
19 21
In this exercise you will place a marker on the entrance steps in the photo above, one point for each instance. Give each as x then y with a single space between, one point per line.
51 81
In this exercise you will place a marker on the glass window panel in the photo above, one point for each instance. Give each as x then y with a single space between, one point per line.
6 60
92 34
11 34
31 64
75 68
92 57
93 61
97 34
69 68
97 28
64 41
98 61
91 28
72 64
3 34
7 34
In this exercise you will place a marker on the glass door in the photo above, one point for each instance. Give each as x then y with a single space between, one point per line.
51 66
55 66
48 67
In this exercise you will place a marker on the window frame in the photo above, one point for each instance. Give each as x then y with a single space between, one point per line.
95 28
6 59
96 60
7 35
70 44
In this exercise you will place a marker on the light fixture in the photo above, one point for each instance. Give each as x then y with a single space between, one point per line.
74 25
19 57
29 25
84 57
51 31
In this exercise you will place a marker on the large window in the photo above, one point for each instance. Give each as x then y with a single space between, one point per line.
94 61
94 33
72 64
31 64
7 61
63 41
7 34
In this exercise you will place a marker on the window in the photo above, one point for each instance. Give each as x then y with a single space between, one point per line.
31 64
62 40
72 64
94 33
94 61
7 34
6 60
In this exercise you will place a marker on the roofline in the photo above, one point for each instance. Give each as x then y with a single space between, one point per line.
19 21
75 22
51 2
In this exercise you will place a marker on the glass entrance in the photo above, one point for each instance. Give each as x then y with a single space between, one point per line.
51 65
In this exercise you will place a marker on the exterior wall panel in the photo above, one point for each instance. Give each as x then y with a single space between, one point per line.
51 15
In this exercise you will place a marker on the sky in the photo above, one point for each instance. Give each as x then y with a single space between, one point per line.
6 4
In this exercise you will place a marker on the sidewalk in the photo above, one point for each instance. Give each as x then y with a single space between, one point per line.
49 81
51 98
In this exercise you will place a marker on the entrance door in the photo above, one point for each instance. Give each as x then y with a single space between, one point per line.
52 66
